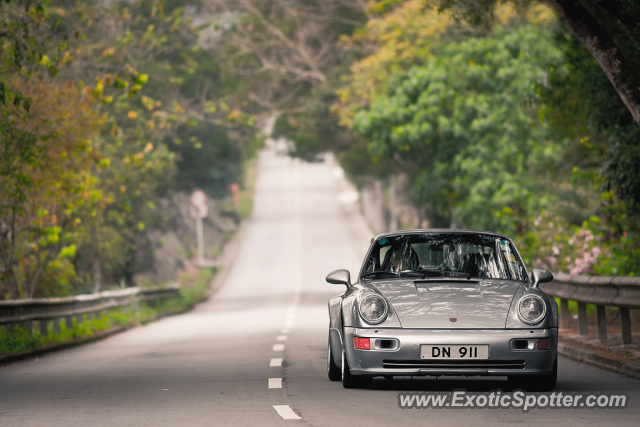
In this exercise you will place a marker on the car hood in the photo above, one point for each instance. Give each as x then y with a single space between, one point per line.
450 304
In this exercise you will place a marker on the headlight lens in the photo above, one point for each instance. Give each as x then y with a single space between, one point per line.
373 309
531 309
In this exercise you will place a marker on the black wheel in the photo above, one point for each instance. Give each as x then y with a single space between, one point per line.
334 373
536 382
353 381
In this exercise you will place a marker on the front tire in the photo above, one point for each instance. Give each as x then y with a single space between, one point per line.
334 373
353 381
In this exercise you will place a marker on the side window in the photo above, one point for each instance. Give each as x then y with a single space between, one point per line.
514 267
375 261
383 253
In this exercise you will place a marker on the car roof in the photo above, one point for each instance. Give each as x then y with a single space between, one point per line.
439 231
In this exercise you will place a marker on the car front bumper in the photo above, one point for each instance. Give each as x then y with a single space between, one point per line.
404 358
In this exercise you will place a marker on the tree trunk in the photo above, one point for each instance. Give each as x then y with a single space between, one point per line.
454 220
601 45
393 204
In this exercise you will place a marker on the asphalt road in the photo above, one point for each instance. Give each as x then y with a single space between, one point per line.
213 365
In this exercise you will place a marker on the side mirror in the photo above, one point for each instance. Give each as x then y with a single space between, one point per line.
540 275
340 277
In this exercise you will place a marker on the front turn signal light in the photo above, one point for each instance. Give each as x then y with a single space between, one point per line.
361 343
544 343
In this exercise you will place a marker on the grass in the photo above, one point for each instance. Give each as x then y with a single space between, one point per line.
20 340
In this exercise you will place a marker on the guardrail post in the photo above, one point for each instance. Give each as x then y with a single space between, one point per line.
68 322
56 325
625 325
28 326
97 315
602 322
582 318
43 328
564 313
79 318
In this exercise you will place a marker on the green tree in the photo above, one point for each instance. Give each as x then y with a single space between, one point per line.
466 123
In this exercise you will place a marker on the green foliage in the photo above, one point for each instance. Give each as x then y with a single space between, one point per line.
92 95
207 158
467 123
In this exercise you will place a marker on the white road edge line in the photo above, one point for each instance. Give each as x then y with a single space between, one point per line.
278 347
286 412
281 338
275 382
276 361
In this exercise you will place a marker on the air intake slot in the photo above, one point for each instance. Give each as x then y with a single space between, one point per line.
385 344
522 344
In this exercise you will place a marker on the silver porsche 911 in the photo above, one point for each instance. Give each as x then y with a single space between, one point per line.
443 302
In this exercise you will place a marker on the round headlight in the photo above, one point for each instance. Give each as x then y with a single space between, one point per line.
373 309
531 309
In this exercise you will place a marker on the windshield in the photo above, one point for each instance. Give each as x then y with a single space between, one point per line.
448 254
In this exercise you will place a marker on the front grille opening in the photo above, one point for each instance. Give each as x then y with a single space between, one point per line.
453 364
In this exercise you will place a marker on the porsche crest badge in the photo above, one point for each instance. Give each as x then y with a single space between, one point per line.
453 319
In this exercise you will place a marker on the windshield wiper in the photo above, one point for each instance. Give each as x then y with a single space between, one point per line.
447 273
377 273
411 273
418 273
392 274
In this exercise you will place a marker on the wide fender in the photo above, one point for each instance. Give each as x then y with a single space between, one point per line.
351 317
335 329
552 305
513 320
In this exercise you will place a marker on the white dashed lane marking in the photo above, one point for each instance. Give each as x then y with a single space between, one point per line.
277 361
286 412
275 382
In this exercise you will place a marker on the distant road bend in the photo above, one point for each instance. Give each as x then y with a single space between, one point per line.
255 354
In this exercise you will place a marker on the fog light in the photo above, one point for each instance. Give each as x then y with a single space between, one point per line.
544 343
362 343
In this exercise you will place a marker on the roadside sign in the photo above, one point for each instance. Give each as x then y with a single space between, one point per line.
198 211
198 198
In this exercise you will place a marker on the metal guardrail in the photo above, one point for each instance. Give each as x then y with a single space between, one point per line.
45 310
616 291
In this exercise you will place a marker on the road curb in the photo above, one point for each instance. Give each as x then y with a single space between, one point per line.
599 360
226 260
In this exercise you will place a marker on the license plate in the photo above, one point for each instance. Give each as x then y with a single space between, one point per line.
454 351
